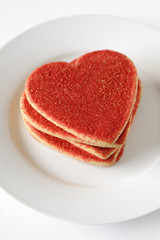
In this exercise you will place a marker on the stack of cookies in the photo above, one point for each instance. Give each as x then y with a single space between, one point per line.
84 108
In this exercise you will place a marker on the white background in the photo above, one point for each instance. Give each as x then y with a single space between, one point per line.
20 222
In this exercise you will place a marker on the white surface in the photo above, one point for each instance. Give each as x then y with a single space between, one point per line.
16 220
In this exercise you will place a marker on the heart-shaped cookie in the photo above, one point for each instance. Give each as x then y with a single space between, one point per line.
91 97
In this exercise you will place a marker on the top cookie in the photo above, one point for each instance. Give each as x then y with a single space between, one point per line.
91 97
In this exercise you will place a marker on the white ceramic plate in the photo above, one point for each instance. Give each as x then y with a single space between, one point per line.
59 185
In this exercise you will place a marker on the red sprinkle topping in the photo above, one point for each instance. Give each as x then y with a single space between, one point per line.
92 97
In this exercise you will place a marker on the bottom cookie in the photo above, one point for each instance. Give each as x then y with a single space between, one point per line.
69 149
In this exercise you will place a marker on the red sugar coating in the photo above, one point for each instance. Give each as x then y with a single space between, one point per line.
92 97
42 124
69 149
